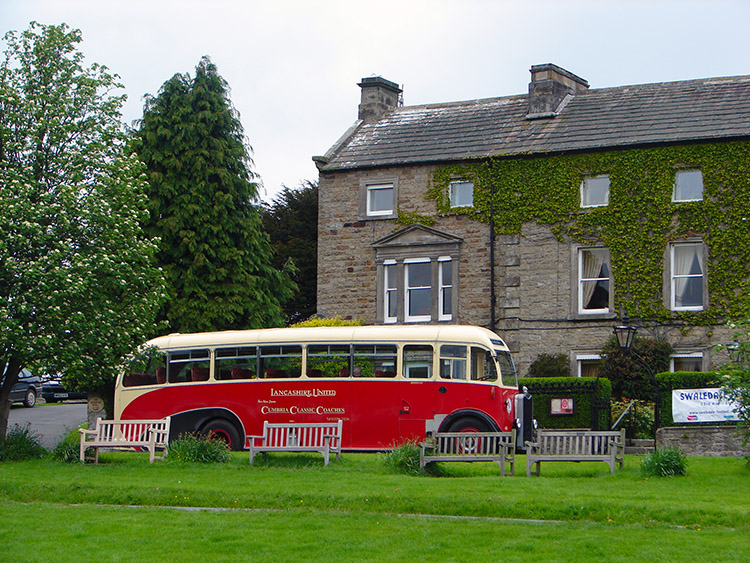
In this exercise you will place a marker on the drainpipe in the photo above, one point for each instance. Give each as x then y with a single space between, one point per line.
492 257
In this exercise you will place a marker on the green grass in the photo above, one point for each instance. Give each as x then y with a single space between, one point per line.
289 507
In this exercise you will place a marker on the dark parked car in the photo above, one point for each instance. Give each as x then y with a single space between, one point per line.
28 389
53 391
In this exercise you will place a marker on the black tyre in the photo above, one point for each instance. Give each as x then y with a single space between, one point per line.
223 430
469 424
30 399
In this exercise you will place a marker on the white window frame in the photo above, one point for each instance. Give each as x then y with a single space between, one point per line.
673 277
688 355
582 280
389 292
455 189
370 191
444 288
408 289
677 174
585 191
585 358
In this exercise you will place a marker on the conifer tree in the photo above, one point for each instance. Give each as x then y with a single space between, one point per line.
291 222
202 203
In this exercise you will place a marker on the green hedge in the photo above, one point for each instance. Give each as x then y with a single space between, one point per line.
683 380
591 401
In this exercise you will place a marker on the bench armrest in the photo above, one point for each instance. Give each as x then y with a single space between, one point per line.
251 439
87 431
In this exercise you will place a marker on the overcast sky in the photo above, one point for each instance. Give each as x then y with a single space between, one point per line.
293 65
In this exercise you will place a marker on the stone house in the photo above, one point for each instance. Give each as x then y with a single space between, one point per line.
545 216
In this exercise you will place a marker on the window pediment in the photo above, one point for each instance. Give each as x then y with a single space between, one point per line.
416 235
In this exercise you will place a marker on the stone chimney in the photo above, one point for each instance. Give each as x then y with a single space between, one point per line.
550 90
379 96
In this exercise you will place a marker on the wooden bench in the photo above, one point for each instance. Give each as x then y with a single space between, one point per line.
578 445
322 437
151 435
499 447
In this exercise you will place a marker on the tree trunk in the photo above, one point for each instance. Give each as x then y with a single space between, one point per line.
13 368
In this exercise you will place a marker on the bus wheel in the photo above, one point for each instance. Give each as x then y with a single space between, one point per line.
225 431
469 424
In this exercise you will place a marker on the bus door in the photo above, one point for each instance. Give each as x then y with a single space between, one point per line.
418 394
373 398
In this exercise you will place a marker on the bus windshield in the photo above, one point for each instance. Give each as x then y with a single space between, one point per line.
507 368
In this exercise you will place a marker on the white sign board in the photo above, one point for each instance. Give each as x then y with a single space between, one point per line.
701 405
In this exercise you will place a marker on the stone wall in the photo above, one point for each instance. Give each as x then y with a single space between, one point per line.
703 440
535 273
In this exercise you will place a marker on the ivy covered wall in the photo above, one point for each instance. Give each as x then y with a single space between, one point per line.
638 223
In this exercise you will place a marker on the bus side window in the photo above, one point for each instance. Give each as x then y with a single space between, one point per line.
417 360
328 360
452 361
148 368
482 365
236 363
374 360
280 361
188 365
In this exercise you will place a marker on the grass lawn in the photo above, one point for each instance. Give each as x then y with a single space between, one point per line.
289 507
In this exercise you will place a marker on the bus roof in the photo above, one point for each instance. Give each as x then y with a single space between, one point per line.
379 333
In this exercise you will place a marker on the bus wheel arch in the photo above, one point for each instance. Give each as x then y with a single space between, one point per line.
222 429
468 421
221 421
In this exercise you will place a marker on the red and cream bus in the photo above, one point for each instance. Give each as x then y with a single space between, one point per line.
387 383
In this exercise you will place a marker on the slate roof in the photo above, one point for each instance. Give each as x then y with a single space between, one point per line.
669 112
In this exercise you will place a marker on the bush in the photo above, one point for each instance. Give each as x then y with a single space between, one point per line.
640 418
548 365
316 321
199 449
628 376
664 462
404 458
21 443
68 449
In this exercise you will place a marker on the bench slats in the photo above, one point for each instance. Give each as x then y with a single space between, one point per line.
149 434
499 447
581 445
322 437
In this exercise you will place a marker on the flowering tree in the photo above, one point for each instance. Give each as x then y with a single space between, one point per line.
78 285
735 376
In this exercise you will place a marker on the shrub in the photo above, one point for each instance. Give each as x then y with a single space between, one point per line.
548 365
664 462
21 443
316 321
404 458
68 449
640 418
193 448
628 376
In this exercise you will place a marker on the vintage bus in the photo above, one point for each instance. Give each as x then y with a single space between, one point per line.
387 383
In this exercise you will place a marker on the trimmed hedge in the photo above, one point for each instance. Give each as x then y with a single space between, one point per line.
591 401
